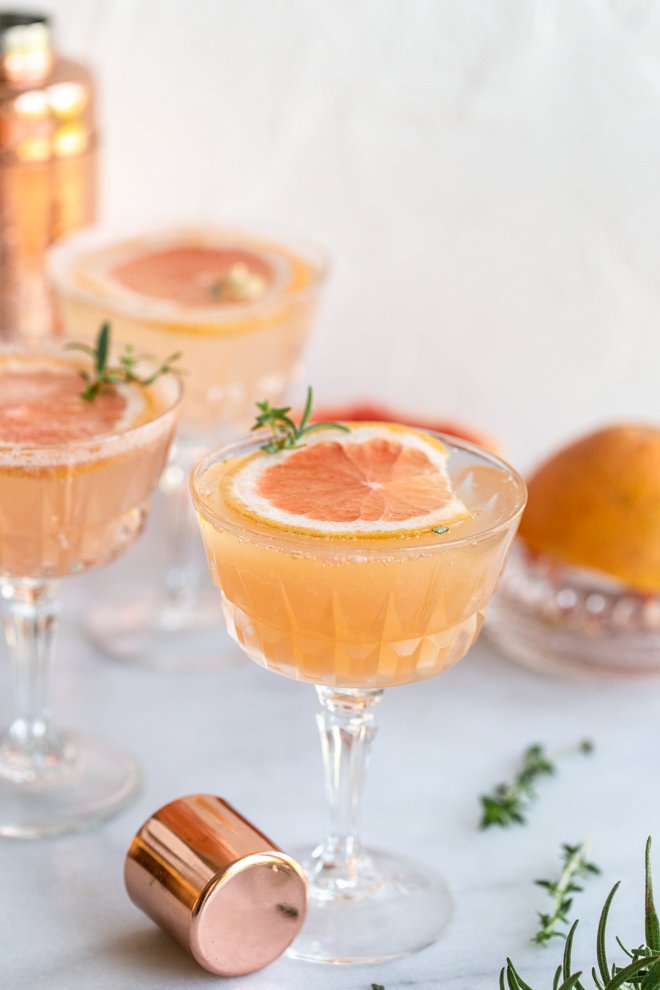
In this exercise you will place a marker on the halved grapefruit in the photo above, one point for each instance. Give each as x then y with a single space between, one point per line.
596 505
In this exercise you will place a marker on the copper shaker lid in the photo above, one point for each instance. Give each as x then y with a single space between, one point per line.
208 877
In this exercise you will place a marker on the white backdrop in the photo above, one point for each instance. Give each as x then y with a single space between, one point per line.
485 173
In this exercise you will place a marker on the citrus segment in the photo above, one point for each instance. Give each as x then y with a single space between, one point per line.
376 480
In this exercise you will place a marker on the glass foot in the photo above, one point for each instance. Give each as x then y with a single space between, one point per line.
88 782
179 636
392 908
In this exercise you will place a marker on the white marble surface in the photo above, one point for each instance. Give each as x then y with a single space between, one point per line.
248 735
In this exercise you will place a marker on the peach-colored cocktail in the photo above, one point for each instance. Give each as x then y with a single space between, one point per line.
358 611
75 476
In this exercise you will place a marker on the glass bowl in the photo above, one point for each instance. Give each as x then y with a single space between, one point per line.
563 620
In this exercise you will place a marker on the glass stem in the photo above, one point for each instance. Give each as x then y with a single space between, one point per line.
186 571
31 746
347 726
184 568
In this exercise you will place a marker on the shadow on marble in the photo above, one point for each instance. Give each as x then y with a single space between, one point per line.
150 952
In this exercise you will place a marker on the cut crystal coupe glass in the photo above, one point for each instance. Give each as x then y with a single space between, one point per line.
66 505
353 617
238 305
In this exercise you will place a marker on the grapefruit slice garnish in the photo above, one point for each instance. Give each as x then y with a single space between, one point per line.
378 480
197 274
40 404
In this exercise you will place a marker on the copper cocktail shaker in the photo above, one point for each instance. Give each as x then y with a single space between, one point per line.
207 876
47 165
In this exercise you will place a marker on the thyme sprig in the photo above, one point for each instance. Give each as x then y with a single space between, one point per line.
508 803
239 284
285 432
104 374
562 890
641 970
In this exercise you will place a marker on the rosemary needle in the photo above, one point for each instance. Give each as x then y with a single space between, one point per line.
104 374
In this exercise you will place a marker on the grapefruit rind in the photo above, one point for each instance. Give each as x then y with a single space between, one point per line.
242 487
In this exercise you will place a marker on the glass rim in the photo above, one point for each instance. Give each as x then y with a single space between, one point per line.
57 347
62 256
280 537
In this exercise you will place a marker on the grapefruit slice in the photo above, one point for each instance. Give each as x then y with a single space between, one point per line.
40 404
378 480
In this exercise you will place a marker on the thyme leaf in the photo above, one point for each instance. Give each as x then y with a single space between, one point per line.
562 890
507 804
285 432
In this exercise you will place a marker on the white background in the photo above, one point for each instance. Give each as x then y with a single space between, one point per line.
484 172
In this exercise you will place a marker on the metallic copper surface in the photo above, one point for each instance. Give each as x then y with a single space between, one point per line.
47 165
208 877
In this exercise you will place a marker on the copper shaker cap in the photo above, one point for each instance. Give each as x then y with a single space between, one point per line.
208 877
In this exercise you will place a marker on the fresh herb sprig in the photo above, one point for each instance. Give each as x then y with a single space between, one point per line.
575 866
238 284
285 432
508 803
641 970
104 374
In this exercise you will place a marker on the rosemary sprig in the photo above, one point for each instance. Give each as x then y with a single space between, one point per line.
104 374
641 970
285 433
562 890
508 803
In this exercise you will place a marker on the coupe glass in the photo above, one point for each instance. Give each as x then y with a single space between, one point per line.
353 617
65 507
234 353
